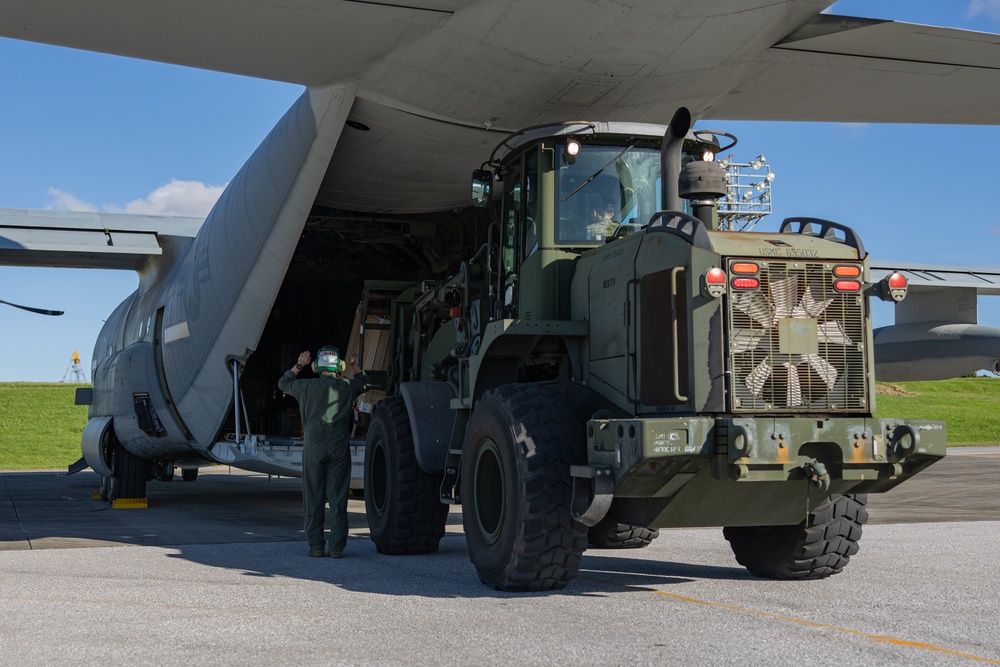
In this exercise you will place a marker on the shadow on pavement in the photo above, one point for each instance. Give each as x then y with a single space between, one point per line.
249 522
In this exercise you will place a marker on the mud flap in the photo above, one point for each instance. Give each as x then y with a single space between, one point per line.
593 490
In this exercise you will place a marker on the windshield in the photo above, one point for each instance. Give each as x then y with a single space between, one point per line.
603 187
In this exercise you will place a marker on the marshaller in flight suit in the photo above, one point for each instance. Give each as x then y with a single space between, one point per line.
326 404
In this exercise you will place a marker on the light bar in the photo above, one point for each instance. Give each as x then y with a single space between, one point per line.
746 283
847 271
847 286
744 267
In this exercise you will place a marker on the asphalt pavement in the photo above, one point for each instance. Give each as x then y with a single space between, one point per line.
215 572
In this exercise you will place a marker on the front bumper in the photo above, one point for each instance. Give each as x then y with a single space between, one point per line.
750 471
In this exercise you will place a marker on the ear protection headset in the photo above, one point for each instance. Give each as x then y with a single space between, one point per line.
328 359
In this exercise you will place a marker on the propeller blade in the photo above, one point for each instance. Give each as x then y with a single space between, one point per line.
40 311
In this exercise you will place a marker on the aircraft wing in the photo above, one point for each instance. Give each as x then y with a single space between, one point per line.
838 68
936 334
520 62
70 239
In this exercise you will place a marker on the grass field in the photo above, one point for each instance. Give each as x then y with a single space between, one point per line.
40 427
969 406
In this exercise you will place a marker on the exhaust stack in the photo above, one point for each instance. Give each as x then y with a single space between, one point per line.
670 159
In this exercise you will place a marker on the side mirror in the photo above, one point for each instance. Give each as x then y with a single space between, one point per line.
482 188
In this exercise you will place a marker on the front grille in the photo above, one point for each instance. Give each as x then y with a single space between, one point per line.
795 343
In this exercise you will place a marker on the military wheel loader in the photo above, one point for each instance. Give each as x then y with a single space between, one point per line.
611 362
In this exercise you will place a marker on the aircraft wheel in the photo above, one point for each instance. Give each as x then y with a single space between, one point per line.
816 548
516 489
609 534
128 479
189 474
402 502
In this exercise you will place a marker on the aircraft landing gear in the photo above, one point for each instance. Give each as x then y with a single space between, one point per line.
129 471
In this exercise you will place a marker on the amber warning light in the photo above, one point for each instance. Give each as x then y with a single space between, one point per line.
894 287
847 271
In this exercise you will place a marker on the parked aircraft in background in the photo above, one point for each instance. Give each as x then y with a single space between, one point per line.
366 176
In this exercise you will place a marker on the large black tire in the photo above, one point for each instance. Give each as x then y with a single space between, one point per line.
609 534
189 474
516 489
402 502
816 548
131 474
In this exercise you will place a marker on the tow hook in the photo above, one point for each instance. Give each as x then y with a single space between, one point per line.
815 472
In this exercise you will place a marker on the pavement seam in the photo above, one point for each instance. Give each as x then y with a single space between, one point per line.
17 516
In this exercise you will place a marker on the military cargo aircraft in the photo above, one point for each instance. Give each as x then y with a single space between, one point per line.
366 175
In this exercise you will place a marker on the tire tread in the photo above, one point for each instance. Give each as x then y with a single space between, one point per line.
551 544
418 517
820 546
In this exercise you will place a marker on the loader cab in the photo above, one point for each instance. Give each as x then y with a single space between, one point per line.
560 191
604 190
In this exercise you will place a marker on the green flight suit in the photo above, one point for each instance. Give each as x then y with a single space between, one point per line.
326 404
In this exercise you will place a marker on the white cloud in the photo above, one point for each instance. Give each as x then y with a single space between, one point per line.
990 8
178 198
187 198
64 201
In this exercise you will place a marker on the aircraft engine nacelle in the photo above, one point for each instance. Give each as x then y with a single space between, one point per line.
130 394
934 351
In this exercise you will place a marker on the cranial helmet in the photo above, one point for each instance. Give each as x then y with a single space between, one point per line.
328 359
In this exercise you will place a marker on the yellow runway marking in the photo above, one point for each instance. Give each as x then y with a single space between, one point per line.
882 639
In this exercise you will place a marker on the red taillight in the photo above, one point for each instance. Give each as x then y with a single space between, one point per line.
714 283
455 312
746 283
847 286
847 271
894 287
744 267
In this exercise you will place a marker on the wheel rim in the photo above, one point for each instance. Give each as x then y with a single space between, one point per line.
379 477
488 491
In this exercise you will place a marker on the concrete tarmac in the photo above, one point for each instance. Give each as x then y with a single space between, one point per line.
216 573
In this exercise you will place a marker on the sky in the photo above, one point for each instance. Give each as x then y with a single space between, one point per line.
85 131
